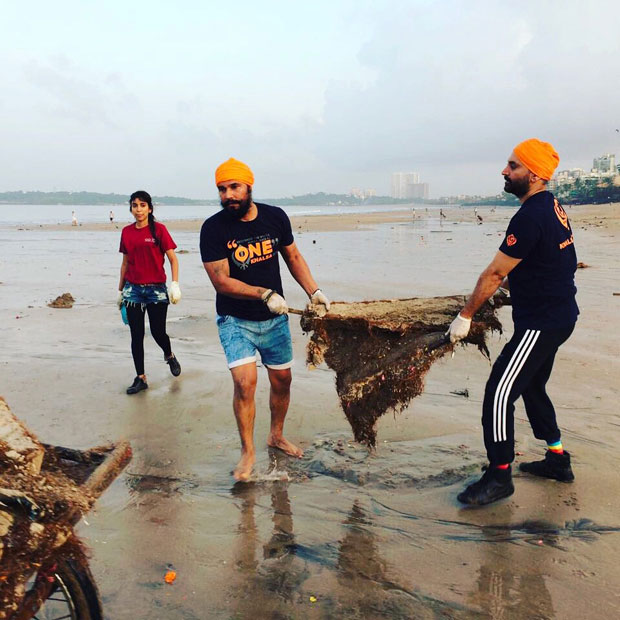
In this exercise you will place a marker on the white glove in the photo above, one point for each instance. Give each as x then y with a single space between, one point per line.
318 298
276 303
459 328
174 292
119 301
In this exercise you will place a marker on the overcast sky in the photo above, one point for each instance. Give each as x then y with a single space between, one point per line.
315 96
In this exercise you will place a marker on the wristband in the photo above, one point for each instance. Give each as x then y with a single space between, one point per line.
315 292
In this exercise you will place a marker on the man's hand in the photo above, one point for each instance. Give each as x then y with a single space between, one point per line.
276 303
174 292
119 301
459 328
318 298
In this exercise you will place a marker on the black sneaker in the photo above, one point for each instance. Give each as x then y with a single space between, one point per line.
495 484
175 367
555 466
138 385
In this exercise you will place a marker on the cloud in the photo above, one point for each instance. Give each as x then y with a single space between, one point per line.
444 88
459 84
65 92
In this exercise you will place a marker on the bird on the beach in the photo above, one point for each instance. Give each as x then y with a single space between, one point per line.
479 218
441 213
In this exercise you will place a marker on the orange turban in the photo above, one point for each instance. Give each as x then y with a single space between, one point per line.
538 157
234 170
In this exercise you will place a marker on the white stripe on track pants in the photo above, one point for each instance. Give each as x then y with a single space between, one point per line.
522 369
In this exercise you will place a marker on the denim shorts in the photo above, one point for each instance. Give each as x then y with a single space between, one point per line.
143 294
271 338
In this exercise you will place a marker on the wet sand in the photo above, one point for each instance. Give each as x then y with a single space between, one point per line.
341 533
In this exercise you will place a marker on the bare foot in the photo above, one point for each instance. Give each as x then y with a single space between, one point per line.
244 467
285 445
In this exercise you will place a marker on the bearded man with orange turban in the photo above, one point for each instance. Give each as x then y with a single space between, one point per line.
536 262
239 248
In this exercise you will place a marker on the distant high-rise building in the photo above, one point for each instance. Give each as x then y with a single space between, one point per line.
401 182
407 185
419 190
362 193
606 164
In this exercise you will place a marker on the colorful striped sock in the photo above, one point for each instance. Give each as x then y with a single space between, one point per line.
556 447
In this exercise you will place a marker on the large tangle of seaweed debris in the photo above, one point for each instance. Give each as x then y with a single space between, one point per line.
382 350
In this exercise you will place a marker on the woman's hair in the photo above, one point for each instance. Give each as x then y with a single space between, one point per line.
146 197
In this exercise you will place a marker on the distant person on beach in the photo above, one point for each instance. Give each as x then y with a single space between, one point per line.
74 221
111 217
142 285
239 248
537 262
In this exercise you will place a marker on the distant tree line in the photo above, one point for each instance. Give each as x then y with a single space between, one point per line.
589 191
88 198
500 200
94 198
583 191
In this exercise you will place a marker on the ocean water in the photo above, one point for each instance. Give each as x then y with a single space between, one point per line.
29 215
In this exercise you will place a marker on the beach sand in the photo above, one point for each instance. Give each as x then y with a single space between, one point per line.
341 533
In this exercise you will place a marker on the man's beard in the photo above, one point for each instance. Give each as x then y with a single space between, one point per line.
237 208
519 187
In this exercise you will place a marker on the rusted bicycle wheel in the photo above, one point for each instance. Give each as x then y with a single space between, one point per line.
67 591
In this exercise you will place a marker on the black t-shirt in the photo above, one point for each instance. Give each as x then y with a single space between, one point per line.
252 252
542 285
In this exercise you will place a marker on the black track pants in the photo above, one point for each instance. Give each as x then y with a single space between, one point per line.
157 321
522 369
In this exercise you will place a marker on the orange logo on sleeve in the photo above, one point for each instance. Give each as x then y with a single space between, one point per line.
511 240
561 214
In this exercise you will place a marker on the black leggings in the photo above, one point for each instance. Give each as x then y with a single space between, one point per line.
157 321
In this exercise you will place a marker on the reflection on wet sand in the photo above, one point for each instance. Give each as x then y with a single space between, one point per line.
502 593
360 567
347 578
375 587
266 587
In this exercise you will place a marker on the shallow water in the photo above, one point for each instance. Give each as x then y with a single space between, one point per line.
340 533
36 215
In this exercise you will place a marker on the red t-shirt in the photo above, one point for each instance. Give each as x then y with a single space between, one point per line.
145 259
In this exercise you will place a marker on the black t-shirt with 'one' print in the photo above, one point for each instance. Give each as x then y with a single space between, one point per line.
251 249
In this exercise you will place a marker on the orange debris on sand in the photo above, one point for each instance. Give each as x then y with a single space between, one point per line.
170 576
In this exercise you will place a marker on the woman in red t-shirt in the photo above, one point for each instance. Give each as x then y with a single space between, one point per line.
143 283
